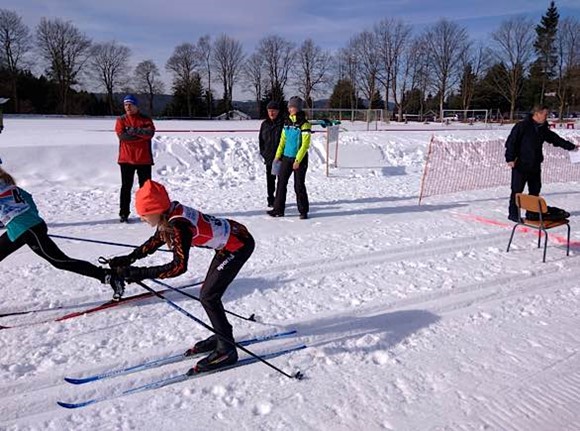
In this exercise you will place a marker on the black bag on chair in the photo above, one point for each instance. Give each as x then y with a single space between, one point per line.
553 214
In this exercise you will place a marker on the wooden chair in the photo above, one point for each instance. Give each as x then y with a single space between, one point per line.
538 205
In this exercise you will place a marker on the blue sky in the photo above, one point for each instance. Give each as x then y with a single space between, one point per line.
152 28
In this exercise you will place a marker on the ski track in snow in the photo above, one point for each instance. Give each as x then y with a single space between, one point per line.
415 319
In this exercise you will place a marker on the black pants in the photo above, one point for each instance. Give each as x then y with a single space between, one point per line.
271 184
519 180
299 185
127 178
223 269
38 240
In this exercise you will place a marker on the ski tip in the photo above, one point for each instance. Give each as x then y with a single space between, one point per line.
252 318
71 405
74 381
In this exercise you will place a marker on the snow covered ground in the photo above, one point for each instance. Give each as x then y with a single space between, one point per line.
415 317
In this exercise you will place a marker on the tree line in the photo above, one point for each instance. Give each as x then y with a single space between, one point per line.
439 67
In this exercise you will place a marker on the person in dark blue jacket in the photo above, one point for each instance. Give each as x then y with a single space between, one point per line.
524 154
24 226
269 137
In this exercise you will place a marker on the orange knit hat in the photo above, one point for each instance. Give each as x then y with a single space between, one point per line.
152 198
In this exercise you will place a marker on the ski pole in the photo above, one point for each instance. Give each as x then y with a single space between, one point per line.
298 375
252 318
118 244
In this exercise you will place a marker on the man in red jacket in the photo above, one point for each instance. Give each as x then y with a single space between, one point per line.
135 131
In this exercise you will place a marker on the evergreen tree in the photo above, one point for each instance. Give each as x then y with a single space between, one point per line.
343 96
412 100
187 102
545 46
377 101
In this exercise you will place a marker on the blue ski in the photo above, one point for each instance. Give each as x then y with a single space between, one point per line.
165 361
177 379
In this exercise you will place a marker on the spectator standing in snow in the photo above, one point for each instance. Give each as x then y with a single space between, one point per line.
269 137
524 154
182 227
2 101
135 132
24 226
292 152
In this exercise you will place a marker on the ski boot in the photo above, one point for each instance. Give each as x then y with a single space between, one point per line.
117 283
219 358
207 345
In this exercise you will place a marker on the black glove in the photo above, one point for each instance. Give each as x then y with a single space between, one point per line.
118 261
130 130
129 274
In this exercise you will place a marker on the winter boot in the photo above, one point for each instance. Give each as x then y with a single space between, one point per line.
274 213
207 345
116 282
225 354
124 219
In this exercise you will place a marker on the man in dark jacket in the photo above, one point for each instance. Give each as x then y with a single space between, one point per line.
269 137
523 153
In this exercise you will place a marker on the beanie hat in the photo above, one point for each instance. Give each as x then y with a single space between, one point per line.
273 105
152 198
295 102
129 98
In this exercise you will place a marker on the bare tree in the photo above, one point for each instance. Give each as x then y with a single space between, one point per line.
66 50
148 82
414 75
252 73
227 60
472 64
393 38
278 55
349 68
183 64
364 46
109 66
446 42
15 42
204 48
568 65
513 50
313 71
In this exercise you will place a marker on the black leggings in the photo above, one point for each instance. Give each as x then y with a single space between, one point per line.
127 178
39 242
286 170
223 269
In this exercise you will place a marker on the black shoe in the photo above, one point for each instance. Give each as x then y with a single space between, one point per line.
207 345
117 283
216 359
303 216
270 203
124 219
274 213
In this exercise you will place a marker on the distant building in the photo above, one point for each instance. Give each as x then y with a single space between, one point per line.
233 115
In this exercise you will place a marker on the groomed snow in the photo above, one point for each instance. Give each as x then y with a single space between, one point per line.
414 316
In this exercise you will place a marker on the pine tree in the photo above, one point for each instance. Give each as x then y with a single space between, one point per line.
343 96
545 46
